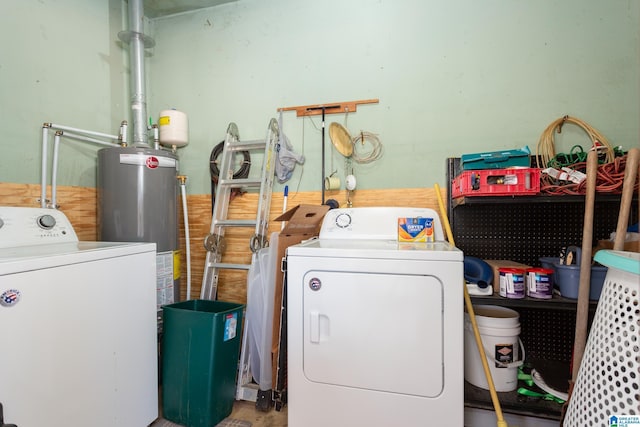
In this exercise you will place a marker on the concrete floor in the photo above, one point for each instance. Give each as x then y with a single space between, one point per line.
244 411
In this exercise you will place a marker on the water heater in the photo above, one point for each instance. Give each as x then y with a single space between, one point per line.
138 202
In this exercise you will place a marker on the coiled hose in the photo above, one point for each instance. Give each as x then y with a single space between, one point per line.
546 150
242 172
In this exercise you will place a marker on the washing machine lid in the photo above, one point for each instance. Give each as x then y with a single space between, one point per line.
377 249
28 258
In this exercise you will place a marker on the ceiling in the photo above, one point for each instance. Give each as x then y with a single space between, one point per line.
158 8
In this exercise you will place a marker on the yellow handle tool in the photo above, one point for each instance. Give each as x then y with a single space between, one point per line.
485 365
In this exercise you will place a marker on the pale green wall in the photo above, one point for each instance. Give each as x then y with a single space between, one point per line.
60 62
452 77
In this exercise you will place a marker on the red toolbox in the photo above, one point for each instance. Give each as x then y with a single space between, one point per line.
497 182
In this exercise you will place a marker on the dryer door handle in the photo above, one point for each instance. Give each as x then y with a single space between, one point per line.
318 327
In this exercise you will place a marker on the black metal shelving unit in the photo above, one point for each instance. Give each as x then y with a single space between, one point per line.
524 229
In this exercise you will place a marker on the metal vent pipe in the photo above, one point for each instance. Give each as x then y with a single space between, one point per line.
137 43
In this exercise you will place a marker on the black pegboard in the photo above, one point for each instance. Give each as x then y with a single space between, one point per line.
526 232
547 334
523 229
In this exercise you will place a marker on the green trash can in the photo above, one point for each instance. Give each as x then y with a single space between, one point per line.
200 353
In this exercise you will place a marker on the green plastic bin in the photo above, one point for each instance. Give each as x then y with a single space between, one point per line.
200 353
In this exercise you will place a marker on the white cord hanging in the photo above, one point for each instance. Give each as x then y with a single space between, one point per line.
360 155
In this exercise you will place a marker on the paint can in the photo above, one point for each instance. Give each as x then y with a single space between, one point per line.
512 282
540 283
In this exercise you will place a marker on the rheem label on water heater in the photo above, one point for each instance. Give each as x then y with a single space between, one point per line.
152 162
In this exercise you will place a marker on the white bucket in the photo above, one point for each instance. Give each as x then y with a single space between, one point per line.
499 329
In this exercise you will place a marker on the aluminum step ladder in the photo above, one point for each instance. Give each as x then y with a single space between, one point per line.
214 243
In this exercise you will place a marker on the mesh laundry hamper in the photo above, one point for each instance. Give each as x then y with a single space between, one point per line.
608 385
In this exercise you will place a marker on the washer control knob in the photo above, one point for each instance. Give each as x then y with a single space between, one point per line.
46 222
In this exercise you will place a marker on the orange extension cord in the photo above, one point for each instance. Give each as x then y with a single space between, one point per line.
609 180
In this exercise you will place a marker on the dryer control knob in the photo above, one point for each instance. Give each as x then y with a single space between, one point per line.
343 220
47 222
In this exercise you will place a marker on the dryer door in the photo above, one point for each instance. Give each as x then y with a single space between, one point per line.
379 332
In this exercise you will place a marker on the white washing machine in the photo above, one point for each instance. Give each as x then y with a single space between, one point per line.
375 326
78 325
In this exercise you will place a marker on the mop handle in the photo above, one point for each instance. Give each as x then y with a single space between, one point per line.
628 184
472 316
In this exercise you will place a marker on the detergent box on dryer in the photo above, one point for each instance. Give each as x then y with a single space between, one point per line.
415 229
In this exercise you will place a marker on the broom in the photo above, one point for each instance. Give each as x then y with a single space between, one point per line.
472 316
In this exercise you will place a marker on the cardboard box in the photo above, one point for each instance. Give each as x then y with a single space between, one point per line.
497 264
303 223
633 246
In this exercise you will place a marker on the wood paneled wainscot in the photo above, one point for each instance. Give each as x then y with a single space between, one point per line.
80 206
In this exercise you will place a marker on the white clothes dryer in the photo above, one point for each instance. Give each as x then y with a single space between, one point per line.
375 326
